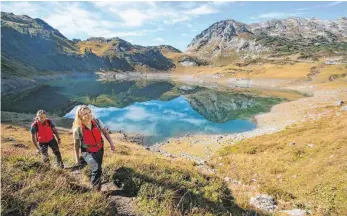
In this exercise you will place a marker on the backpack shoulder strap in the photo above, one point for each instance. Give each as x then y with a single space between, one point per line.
36 125
49 122
80 133
97 122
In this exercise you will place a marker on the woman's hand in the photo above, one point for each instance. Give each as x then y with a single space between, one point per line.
113 148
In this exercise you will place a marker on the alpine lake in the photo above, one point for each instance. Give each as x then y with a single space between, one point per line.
156 110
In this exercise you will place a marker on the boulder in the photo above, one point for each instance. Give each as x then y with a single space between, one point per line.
310 145
263 202
339 103
295 212
344 108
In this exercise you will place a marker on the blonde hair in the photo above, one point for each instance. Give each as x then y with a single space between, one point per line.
78 121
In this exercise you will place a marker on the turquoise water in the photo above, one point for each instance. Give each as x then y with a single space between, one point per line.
158 120
156 110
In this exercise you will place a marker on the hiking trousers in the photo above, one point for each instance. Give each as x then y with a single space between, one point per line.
94 160
55 148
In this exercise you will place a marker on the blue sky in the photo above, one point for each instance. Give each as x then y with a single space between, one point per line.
155 23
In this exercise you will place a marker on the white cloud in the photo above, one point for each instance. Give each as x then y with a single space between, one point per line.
174 113
133 17
333 3
140 13
175 20
73 20
21 8
272 15
197 122
187 5
145 130
223 3
159 39
135 113
97 111
202 10
277 15
187 35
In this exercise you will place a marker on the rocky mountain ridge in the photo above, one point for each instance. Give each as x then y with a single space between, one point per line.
287 36
31 46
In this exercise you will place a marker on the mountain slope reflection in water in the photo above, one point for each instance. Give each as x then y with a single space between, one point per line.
158 120
155 109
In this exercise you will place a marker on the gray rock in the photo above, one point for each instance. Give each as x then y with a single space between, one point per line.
339 103
76 172
344 108
186 88
263 202
295 212
232 181
108 187
188 63
310 145
8 139
20 145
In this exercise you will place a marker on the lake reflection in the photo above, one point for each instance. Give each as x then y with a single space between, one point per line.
158 120
156 109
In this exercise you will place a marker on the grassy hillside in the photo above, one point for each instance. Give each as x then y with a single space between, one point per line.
160 186
303 165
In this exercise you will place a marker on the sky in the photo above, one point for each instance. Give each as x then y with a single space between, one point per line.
155 23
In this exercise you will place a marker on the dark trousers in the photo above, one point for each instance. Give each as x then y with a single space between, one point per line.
94 160
55 148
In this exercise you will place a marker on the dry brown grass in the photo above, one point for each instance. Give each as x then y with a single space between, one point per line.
161 183
310 174
98 49
297 71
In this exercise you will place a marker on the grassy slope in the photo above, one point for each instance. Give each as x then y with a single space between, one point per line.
308 177
298 71
162 186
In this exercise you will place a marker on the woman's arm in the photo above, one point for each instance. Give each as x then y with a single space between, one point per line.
33 139
77 143
108 137
55 131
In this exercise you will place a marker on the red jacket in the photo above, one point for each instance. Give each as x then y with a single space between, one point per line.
91 139
44 131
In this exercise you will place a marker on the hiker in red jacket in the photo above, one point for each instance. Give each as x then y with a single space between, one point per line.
42 130
87 132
